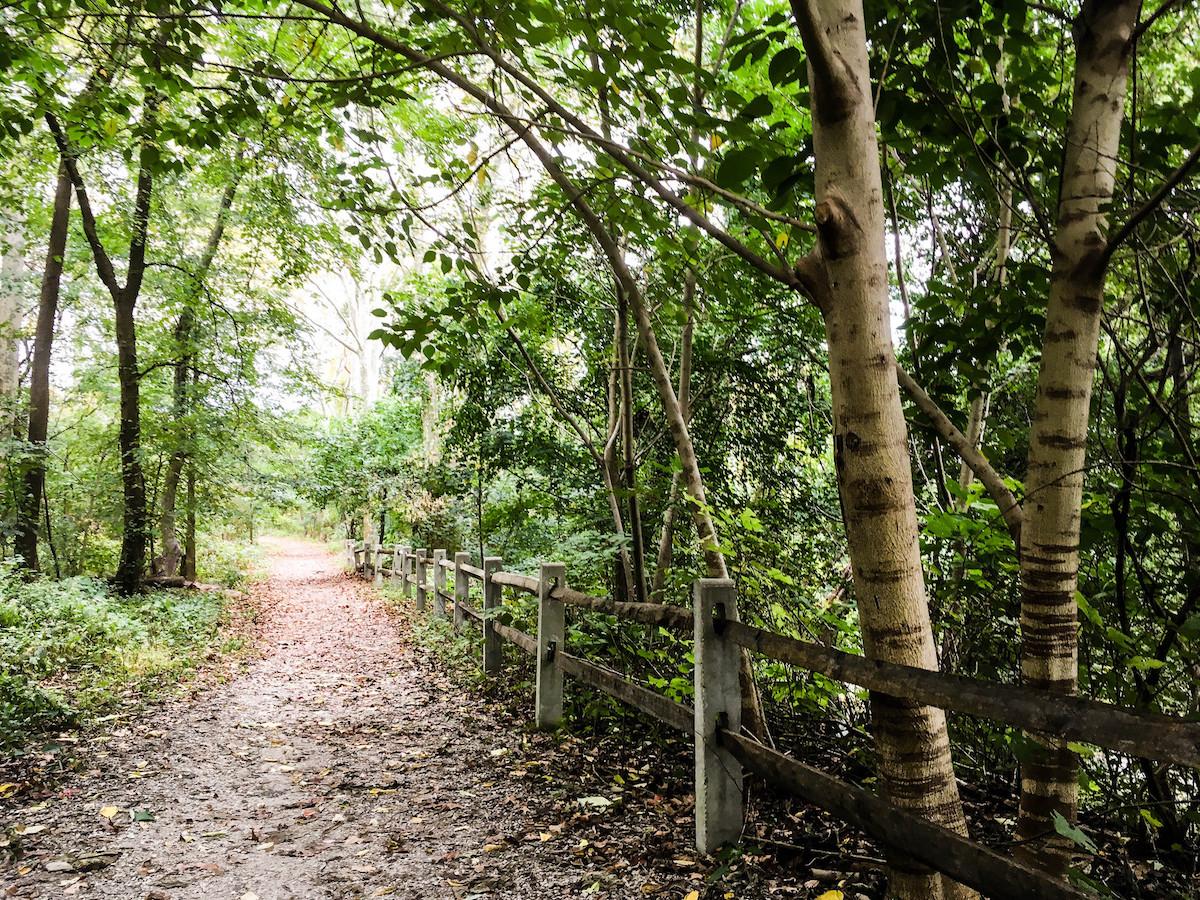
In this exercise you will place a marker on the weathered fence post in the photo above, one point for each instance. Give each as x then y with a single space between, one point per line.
349 547
396 562
439 584
461 587
419 573
379 565
405 554
551 638
718 704
492 650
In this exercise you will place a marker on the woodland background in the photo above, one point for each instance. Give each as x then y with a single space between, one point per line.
345 295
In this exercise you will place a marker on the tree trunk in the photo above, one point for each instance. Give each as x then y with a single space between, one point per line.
132 564
167 564
666 537
39 373
189 532
611 472
12 265
625 373
185 338
692 477
1054 483
849 280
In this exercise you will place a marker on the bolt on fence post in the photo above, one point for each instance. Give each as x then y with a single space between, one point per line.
492 651
461 587
551 638
396 557
379 565
718 703
439 584
419 574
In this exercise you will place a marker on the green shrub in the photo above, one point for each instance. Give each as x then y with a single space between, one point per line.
69 648
227 562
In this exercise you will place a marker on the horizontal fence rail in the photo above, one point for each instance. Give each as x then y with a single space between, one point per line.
722 752
1135 732
652 703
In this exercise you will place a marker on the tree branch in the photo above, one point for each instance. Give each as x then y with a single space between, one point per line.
835 90
104 266
1154 202
1147 22
615 150
1010 509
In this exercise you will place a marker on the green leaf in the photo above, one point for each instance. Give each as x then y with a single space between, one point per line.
1073 834
783 66
737 167
757 108
1190 630
1144 663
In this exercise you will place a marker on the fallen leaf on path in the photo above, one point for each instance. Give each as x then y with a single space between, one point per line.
92 862
108 812
594 802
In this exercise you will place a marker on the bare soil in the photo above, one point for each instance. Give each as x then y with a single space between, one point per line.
342 763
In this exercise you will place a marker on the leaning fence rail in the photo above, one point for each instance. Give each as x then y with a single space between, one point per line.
722 752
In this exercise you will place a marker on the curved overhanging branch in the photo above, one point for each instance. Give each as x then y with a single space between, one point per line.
1152 203
1009 507
618 152
705 528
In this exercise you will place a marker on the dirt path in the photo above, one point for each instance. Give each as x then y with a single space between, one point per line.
337 764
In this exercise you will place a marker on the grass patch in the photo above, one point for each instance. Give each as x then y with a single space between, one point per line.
71 649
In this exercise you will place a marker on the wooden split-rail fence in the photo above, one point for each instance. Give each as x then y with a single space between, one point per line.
722 752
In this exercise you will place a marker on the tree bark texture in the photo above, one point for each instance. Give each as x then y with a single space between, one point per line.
1054 482
39 372
870 436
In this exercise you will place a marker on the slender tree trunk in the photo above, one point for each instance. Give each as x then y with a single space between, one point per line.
625 373
849 280
132 564
39 373
1054 483
611 471
666 538
189 539
168 562
977 418
12 266
185 338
